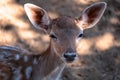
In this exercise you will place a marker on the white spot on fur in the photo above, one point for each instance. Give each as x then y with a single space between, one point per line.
17 74
28 72
1 57
17 57
25 58
35 61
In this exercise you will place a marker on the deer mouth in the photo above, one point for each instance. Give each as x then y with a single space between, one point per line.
70 60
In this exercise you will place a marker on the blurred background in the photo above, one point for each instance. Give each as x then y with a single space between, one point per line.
99 50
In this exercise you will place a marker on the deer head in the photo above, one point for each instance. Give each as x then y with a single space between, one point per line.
65 32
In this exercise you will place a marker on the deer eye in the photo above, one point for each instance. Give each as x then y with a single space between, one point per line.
53 36
80 35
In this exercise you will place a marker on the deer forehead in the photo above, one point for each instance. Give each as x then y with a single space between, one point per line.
65 25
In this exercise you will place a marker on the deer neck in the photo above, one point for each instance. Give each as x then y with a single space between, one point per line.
49 62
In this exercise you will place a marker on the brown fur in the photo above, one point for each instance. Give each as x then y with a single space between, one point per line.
50 64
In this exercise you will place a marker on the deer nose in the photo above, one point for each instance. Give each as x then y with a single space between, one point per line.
70 56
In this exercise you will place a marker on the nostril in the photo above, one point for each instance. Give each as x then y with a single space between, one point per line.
69 55
66 56
74 55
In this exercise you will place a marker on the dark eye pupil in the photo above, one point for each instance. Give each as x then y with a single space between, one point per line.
53 36
80 35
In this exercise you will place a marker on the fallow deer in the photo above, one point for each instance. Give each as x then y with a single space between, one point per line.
65 33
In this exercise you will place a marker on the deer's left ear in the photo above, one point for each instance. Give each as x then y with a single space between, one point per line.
92 14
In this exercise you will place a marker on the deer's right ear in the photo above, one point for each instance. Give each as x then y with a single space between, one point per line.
38 16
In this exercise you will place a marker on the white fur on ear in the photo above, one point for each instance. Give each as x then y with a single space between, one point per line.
85 14
33 12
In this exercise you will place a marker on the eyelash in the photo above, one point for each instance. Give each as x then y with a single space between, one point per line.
80 35
53 36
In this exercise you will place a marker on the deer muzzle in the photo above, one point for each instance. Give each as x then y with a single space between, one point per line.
70 56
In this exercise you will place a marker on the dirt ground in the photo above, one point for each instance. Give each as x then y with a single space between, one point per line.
99 50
